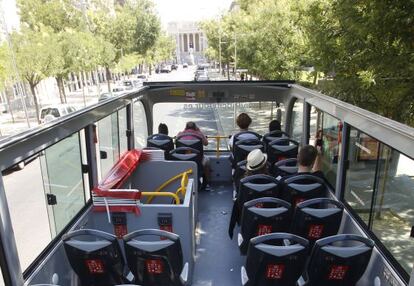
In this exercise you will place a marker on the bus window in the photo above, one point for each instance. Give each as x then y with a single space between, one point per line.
314 122
108 140
140 125
28 209
393 211
360 176
297 121
217 118
62 178
122 127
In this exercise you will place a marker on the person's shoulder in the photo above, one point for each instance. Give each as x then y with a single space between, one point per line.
319 174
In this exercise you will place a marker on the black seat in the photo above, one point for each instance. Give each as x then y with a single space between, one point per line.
276 259
239 136
273 135
196 142
285 167
155 257
161 141
262 216
299 188
239 172
338 260
281 149
251 187
242 148
95 256
186 154
317 218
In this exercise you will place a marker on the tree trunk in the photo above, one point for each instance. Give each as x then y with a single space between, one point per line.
228 71
108 78
33 90
61 87
150 69
315 77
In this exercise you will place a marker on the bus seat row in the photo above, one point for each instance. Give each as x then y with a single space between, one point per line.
281 259
166 143
312 219
154 257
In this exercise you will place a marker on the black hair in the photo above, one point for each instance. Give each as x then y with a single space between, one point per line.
163 129
274 125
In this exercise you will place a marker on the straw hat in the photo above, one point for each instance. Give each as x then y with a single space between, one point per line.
256 160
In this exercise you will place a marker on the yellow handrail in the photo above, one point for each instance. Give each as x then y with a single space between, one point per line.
218 138
169 181
162 194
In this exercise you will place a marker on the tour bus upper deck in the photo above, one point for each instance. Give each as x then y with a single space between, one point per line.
367 160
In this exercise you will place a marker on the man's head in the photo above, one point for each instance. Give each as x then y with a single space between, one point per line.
163 129
307 156
190 125
243 121
274 125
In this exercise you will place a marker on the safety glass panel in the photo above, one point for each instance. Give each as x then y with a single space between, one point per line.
360 175
108 143
122 127
217 119
140 125
393 216
28 208
63 181
297 121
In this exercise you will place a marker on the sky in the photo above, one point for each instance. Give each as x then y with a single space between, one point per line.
10 14
189 10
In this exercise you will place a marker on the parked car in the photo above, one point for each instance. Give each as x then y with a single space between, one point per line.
166 69
185 65
142 77
203 77
131 84
118 90
51 112
174 67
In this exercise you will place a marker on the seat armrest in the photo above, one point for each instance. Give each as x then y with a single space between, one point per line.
184 274
239 239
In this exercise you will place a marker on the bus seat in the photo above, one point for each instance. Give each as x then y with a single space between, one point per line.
317 218
301 187
272 261
195 142
161 141
239 172
155 257
251 187
338 260
271 136
281 149
242 135
285 167
242 148
262 216
95 256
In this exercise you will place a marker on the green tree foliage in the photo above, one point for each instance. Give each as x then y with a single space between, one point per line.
367 47
163 50
35 58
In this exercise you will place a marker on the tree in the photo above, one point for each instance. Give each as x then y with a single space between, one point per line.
162 51
36 56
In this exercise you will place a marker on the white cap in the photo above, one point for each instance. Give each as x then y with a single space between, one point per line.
256 160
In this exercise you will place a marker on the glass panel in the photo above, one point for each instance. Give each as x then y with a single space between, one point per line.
360 176
314 122
218 118
28 209
393 216
64 179
328 133
297 121
123 139
140 125
1 279
108 142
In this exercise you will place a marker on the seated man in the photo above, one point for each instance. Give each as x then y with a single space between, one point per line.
256 163
275 125
162 130
243 121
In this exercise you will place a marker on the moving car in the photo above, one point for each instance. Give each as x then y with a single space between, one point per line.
185 65
51 112
165 69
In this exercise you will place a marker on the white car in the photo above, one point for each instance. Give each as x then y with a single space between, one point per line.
131 84
51 112
119 89
142 77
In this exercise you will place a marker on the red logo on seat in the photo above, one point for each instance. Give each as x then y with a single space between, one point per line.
259 205
168 228
154 266
264 229
298 200
95 266
338 272
315 231
275 271
120 230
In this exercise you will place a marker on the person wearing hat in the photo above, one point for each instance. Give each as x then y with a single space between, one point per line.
256 163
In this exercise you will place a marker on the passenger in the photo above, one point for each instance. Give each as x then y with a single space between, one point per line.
256 163
274 125
191 128
194 132
243 121
163 129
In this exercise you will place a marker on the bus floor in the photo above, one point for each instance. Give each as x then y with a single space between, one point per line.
218 260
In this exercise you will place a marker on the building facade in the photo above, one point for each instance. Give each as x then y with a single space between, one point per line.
190 42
